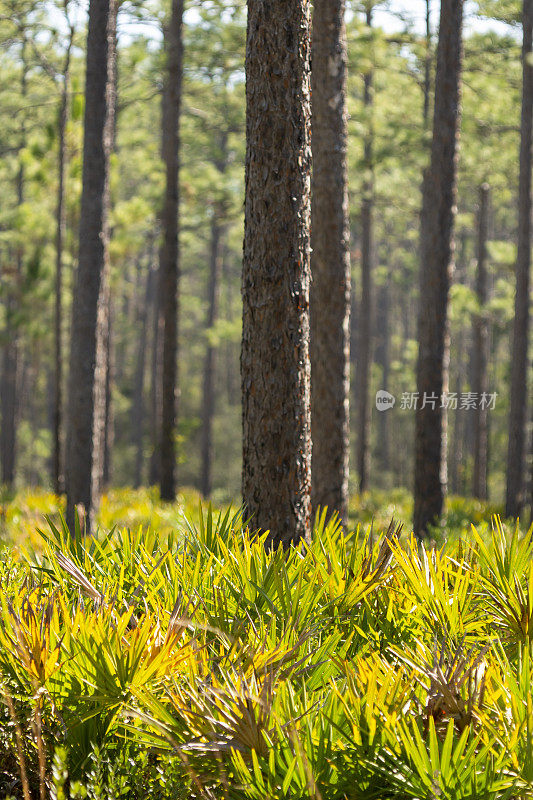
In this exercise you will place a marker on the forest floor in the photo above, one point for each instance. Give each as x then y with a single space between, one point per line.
23 513
362 666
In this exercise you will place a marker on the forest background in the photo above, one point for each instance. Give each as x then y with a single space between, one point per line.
387 41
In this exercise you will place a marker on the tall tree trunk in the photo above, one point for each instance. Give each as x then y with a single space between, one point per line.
108 431
208 404
137 412
383 359
457 455
10 362
364 344
519 371
427 67
481 353
530 487
233 389
436 246
10 371
156 382
90 301
169 270
457 471
26 400
330 262
57 466
275 368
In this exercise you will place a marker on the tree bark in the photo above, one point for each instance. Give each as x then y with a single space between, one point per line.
169 268
530 486
10 361
457 470
156 382
109 413
137 412
383 359
87 352
231 358
364 344
58 478
436 245
515 494
481 353
330 262
457 455
208 404
427 67
9 398
275 367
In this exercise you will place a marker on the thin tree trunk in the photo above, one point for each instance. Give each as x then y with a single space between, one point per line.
427 67
26 401
364 345
108 432
109 414
156 382
208 404
519 370
481 353
137 412
457 466
383 359
436 245
10 363
530 488
9 398
169 269
330 263
275 368
57 467
232 382
457 471
87 354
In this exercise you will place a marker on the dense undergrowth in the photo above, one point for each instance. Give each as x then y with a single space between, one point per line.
192 663
22 513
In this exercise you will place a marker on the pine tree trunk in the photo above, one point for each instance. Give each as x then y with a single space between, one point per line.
330 262
108 432
208 404
436 246
457 455
9 399
169 270
109 414
156 382
457 471
427 67
383 359
481 353
10 362
519 371
137 411
233 388
364 344
275 366
58 478
89 314
530 484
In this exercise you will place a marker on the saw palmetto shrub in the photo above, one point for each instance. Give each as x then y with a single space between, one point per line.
196 663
